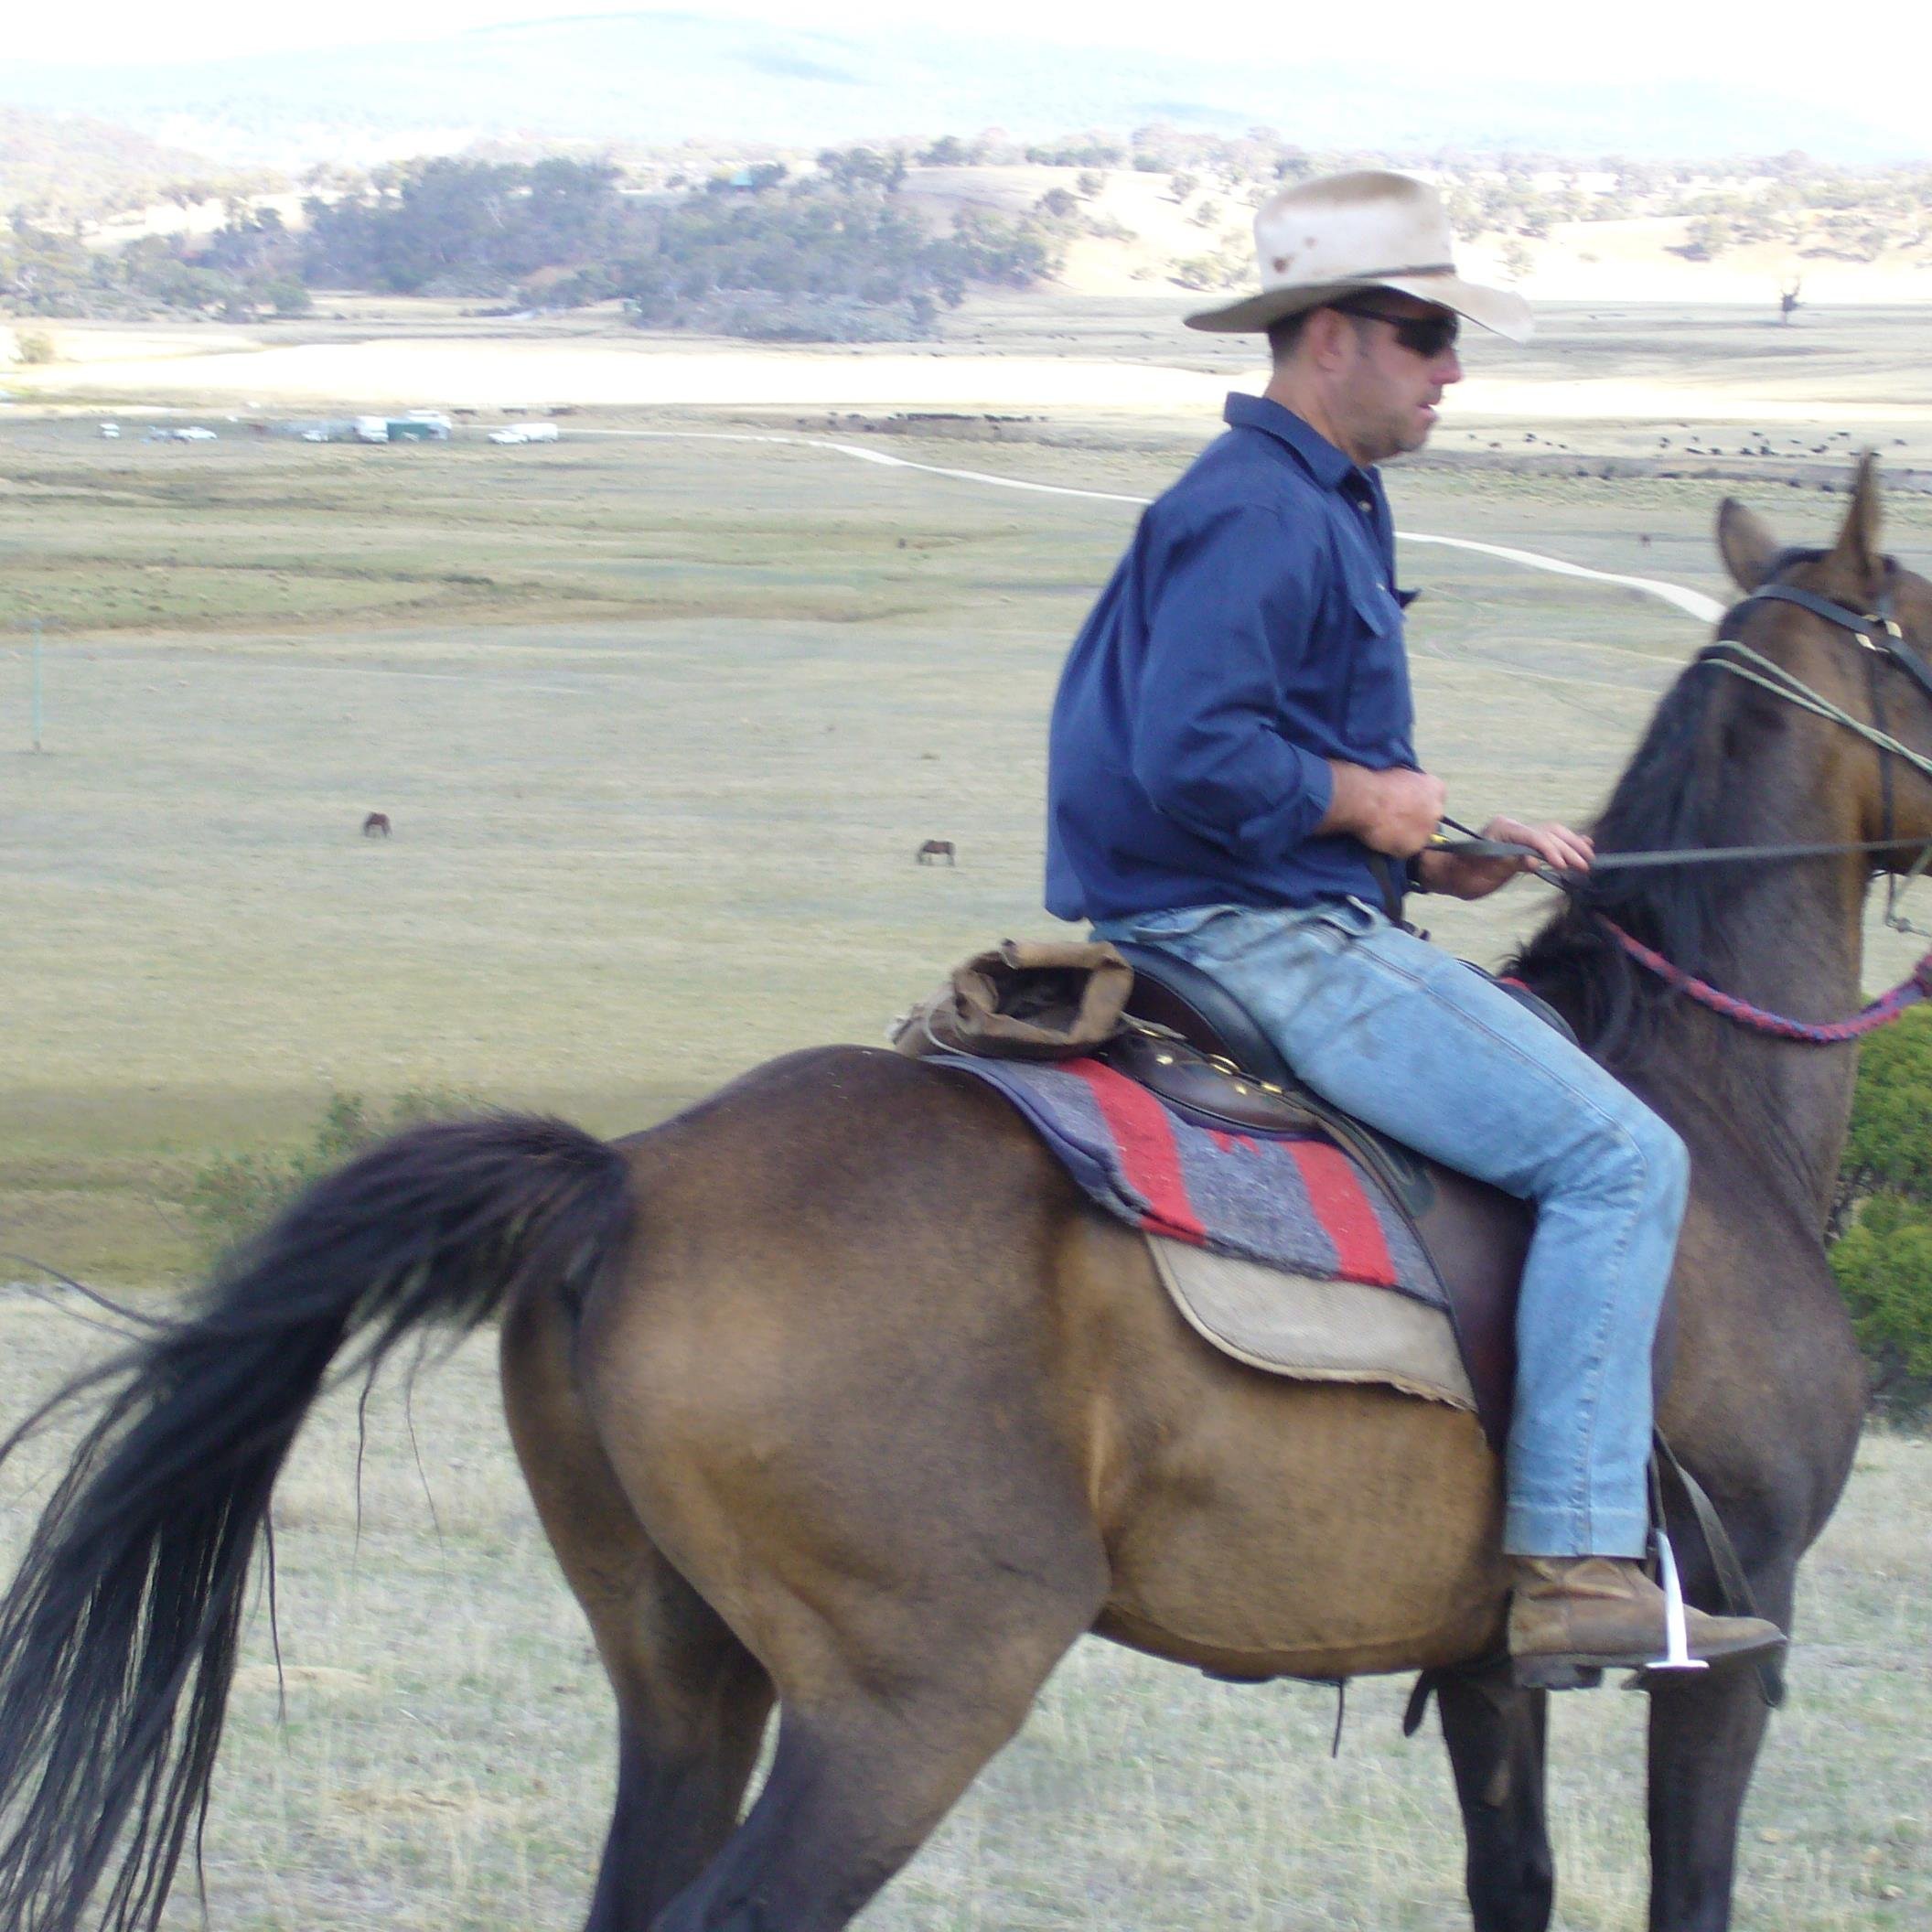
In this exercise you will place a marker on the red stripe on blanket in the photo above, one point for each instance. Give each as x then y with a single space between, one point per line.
1347 1214
1150 1162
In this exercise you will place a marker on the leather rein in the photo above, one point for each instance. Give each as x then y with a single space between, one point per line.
1878 633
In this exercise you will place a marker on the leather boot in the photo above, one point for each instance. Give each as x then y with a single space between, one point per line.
1573 1617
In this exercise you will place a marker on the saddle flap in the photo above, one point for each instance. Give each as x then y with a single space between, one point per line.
1170 991
1183 1076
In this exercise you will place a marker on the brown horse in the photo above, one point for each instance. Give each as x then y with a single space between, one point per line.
832 1393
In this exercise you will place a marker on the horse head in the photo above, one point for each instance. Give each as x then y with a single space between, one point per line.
1804 731
1852 626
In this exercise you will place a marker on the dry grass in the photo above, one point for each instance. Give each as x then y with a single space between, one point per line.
445 1760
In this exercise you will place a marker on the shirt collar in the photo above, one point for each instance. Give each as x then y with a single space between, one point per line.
1320 457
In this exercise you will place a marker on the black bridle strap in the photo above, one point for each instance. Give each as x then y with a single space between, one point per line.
1843 615
1876 630
1481 848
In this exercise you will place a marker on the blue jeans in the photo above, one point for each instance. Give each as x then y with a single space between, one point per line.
1408 1039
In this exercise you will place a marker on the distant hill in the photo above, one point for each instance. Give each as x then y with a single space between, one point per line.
61 168
656 77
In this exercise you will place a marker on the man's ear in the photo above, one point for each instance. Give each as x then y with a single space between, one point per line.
1327 337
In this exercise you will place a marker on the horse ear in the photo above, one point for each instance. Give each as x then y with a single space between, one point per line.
1856 556
1745 543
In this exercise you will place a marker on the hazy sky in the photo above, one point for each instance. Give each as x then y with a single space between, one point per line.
1780 45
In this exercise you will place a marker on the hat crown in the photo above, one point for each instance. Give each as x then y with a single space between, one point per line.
1352 228
1366 230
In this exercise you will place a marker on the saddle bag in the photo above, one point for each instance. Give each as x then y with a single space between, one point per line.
1024 999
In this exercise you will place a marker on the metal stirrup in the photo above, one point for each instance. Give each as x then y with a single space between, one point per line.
1677 1634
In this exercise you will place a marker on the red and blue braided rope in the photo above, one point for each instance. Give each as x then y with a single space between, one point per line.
1881 1011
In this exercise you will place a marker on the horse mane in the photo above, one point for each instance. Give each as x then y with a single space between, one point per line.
1680 791
1675 793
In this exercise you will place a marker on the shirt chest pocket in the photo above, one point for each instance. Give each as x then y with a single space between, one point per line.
1379 715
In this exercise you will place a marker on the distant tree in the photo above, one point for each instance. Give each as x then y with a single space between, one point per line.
1090 153
1089 183
470 226
1707 237
864 168
1788 301
1518 259
1182 184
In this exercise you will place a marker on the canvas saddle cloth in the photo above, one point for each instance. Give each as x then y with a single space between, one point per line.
1170 1027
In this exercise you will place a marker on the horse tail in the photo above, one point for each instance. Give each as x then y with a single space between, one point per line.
119 1635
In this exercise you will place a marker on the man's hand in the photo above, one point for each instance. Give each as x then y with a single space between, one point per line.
1394 811
1555 846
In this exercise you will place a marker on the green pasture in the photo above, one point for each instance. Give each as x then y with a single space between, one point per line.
659 724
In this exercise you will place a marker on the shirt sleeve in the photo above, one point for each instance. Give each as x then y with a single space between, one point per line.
1233 604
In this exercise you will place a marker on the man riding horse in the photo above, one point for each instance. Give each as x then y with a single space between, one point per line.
1232 779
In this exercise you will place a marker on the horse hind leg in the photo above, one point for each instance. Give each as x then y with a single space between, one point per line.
866 1766
691 1701
1497 1737
907 1636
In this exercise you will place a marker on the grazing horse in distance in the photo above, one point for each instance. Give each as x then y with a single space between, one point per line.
933 851
376 825
835 1395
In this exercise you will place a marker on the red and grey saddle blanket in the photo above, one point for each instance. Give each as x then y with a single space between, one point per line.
1290 1201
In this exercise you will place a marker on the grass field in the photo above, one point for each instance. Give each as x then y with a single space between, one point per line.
446 1757
659 724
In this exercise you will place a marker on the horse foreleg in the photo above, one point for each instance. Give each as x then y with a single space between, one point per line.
1496 1739
1705 1730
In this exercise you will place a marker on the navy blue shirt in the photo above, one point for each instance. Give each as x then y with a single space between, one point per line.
1251 633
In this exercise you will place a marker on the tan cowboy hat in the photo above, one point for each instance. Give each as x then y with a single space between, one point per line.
1328 238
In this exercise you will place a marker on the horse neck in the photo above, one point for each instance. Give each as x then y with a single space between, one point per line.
1788 936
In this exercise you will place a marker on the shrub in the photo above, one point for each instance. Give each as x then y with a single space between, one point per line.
1882 1213
1889 1144
235 1197
1884 1265
35 347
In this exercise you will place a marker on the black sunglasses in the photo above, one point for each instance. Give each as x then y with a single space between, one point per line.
1423 336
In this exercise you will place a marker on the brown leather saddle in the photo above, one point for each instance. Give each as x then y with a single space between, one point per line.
1199 1049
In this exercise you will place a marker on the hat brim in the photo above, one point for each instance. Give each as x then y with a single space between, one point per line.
1500 310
